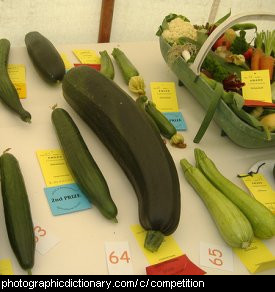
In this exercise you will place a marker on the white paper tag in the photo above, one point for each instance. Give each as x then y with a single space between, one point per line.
118 258
216 256
43 239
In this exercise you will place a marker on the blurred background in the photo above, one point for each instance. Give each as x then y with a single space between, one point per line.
70 21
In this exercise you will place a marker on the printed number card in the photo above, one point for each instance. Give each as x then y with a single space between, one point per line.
169 248
44 239
54 167
17 75
118 258
67 63
216 256
261 190
257 257
164 96
257 86
6 267
87 56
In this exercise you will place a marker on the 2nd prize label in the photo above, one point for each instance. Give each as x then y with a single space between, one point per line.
118 258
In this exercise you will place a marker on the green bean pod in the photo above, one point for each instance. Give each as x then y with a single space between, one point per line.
244 26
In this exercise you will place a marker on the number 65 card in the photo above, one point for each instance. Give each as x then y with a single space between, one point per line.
216 256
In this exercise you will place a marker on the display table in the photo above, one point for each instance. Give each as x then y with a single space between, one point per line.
82 235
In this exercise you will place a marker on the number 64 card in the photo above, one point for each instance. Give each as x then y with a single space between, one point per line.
118 258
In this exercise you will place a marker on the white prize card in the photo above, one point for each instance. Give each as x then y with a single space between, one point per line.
118 258
216 256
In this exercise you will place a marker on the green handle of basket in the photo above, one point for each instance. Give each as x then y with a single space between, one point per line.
206 47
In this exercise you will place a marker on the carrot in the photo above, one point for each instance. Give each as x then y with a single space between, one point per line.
255 59
266 60
267 63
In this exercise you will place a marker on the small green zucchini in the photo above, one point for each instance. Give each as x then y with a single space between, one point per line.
17 211
166 128
127 68
141 102
84 168
106 65
260 217
130 73
45 57
126 131
232 224
8 92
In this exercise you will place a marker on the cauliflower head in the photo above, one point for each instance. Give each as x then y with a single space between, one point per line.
179 28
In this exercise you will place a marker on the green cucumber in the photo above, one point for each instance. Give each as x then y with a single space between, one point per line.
127 132
45 57
166 128
17 211
83 166
8 92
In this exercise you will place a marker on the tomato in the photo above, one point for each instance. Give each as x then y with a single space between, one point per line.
222 41
248 53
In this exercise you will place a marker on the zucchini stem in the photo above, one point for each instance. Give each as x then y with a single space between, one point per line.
114 220
153 240
177 140
29 271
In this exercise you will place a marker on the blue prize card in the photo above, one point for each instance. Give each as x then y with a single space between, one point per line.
65 199
176 119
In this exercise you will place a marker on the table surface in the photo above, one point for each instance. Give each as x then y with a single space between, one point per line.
82 234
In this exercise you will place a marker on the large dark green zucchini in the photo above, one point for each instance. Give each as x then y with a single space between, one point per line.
8 93
126 131
84 168
45 57
17 211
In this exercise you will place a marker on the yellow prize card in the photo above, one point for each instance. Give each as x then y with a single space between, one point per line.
257 257
169 248
164 96
87 56
54 167
5 267
17 75
257 85
261 190
67 63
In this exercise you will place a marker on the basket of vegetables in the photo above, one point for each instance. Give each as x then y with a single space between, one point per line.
208 61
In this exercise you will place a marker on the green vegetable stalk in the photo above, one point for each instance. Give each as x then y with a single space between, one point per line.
129 72
107 67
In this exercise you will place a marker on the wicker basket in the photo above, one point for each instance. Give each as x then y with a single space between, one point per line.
232 125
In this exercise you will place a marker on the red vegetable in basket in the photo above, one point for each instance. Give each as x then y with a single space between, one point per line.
222 41
248 53
232 83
